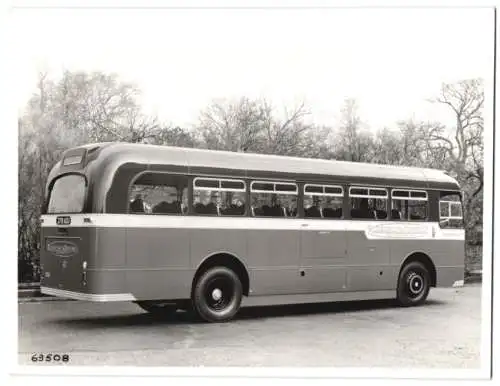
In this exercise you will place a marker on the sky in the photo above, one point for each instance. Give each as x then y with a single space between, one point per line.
390 60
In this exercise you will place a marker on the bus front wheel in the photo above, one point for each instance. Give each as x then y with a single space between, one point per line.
413 284
217 294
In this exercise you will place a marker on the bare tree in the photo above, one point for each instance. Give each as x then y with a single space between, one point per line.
232 125
286 136
465 100
253 126
389 147
353 142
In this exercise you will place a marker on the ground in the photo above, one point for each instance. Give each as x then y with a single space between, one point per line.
443 333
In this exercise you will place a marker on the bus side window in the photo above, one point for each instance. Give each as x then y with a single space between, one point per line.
323 201
409 205
232 203
450 210
219 196
158 193
368 203
273 199
205 202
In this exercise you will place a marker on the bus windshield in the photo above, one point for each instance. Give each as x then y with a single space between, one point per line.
67 195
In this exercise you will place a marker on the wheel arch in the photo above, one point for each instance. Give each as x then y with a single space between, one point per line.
226 259
426 260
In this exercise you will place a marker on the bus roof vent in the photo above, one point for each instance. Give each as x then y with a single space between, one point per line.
91 150
92 153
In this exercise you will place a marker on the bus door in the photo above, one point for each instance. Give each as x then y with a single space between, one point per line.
323 241
369 240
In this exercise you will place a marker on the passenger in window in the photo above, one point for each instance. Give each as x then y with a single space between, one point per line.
255 208
380 214
311 208
201 202
166 206
332 208
317 205
137 205
184 204
365 211
395 214
161 208
287 205
170 206
291 210
307 203
275 210
210 203
237 206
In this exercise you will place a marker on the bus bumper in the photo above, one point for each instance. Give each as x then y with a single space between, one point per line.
120 297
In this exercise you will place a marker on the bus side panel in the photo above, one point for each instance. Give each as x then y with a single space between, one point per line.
273 257
323 248
106 271
449 259
400 249
369 260
158 263
207 242
373 278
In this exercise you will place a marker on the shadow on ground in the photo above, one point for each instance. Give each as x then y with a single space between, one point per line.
250 313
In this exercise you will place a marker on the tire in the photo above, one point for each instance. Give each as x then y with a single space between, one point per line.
414 284
157 308
217 295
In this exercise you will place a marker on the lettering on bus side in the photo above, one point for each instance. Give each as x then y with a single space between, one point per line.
62 248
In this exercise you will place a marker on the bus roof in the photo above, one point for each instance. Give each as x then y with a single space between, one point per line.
189 157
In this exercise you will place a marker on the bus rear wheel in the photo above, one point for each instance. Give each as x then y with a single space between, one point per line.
158 308
413 284
217 295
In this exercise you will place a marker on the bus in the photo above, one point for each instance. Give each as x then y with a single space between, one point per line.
172 228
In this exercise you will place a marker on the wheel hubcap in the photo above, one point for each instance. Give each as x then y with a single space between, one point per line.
219 293
415 283
216 294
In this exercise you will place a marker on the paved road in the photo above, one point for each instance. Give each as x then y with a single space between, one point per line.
444 333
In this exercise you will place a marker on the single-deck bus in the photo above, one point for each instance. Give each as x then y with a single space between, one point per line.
174 228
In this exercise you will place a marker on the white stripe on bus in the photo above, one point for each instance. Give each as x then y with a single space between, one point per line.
372 229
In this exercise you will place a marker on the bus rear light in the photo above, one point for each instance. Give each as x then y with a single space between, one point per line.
84 273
